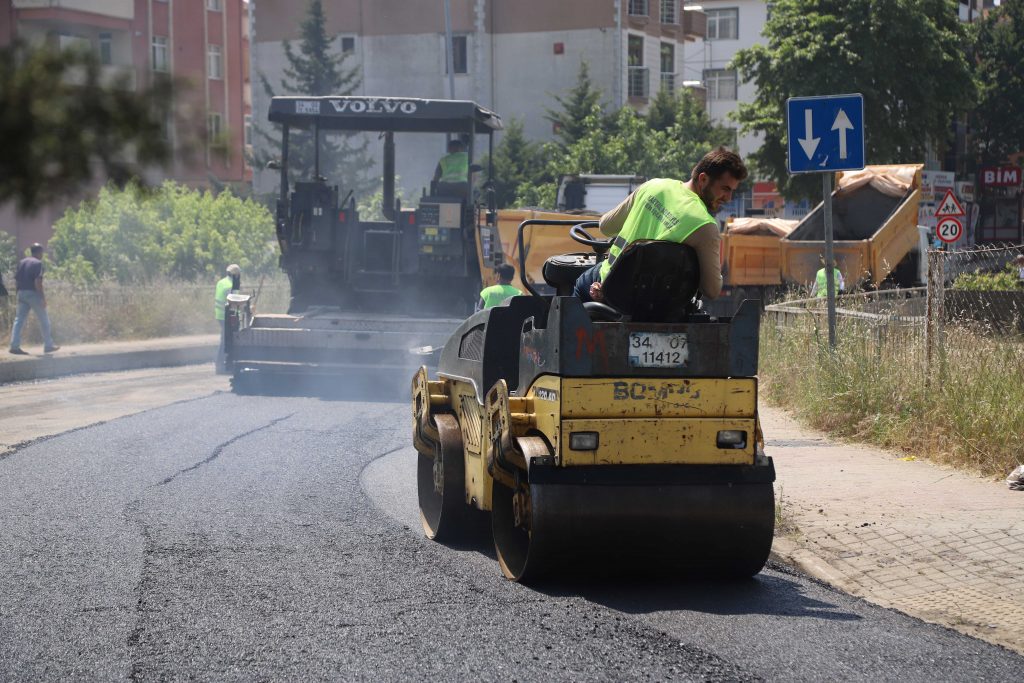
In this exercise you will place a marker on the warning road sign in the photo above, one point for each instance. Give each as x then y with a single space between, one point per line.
950 206
949 229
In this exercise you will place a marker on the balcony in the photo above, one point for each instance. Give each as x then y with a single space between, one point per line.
639 81
695 24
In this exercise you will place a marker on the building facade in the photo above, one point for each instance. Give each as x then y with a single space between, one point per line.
202 44
509 56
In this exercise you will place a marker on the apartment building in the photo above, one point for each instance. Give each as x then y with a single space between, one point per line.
511 56
201 43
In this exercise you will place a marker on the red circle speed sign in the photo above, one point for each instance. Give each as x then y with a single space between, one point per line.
949 229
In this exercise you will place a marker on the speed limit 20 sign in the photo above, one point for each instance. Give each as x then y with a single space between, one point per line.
949 229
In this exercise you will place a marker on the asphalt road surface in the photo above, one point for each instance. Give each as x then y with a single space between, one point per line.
271 538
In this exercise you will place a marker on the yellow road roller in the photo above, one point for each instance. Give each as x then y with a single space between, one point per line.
621 433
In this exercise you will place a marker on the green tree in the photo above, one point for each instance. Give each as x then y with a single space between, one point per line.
517 160
997 123
577 105
173 231
689 132
907 57
317 70
64 122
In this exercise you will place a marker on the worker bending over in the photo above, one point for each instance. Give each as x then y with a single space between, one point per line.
673 211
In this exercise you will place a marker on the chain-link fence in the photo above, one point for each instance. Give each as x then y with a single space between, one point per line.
943 362
111 311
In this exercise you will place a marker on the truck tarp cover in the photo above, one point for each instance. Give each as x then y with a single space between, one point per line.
862 204
753 225
397 114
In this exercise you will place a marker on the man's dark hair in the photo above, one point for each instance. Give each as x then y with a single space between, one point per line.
718 162
456 144
506 273
36 249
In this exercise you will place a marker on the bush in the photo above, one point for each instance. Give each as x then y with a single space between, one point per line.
1005 280
174 232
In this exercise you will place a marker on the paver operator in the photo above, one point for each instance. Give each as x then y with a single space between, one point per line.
453 167
674 211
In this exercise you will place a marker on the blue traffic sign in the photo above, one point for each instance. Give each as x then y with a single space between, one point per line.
826 133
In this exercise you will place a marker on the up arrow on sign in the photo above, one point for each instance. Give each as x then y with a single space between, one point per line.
825 133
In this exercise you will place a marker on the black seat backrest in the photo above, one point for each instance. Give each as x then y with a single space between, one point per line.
653 281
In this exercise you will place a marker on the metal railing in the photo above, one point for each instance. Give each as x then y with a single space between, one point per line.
639 81
668 82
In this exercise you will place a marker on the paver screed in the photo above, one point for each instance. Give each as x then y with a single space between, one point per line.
938 544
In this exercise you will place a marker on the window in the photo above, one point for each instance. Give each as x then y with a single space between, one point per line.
723 24
460 61
214 62
668 67
214 5
638 85
75 43
721 84
348 44
638 8
248 129
668 12
213 129
161 62
106 46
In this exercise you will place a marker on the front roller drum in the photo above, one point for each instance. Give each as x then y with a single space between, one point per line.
589 522
440 481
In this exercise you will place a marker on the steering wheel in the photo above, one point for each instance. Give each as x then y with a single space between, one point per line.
580 235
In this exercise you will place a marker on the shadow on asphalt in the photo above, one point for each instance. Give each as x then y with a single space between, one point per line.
774 594
642 592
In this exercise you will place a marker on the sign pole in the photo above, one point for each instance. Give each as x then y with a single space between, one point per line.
826 188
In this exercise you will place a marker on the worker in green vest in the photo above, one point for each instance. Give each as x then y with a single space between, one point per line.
496 294
673 211
821 281
231 282
453 166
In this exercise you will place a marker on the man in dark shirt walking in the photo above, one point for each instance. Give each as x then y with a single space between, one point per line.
29 281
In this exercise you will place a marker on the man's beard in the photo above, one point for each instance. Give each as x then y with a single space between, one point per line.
709 200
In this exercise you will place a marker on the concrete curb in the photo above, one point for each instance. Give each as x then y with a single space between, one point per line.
128 357
789 553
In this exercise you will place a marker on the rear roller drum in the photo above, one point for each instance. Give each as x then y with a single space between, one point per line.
441 483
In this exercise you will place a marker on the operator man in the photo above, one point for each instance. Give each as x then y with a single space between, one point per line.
820 288
231 282
496 294
673 211
453 166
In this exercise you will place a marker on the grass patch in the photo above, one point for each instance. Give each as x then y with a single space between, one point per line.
875 388
109 311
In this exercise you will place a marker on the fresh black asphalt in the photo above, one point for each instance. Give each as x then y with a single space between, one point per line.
266 538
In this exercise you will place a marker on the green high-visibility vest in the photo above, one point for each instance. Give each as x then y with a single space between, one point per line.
220 296
495 294
663 209
822 282
455 168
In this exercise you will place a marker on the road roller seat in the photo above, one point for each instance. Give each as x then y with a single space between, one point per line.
651 281
562 271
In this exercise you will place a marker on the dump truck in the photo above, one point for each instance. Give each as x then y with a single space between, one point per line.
621 434
366 294
874 224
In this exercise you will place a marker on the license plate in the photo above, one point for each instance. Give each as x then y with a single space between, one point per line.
658 350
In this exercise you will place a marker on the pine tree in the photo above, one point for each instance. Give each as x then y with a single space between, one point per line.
517 160
317 70
575 107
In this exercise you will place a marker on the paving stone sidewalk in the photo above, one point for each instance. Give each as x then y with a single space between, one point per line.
941 545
